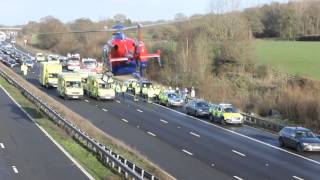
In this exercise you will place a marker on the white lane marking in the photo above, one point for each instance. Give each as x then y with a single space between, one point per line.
105 110
86 100
296 177
178 127
124 120
152 134
239 153
139 110
244 136
166 122
236 177
118 101
15 170
84 171
2 145
194 134
187 152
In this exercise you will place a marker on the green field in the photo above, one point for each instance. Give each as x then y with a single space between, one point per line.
301 58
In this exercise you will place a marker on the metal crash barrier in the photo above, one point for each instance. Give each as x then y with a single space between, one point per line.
109 158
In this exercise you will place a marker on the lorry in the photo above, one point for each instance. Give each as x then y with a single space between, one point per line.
73 62
48 74
100 87
70 86
89 64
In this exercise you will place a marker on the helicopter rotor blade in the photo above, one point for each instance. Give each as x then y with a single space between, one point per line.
114 30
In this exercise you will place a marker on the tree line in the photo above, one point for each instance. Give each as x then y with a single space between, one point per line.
285 21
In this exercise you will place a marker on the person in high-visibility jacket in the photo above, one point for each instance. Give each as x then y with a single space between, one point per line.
133 85
124 90
118 89
136 90
113 86
150 94
157 93
145 91
24 69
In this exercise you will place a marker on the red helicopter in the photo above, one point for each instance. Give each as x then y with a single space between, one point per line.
124 55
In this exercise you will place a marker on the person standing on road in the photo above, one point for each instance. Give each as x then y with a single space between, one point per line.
124 90
24 69
137 90
145 91
118 89
177 90
185 94
150 94
193 93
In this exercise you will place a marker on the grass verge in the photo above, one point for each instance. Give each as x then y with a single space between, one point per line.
84 157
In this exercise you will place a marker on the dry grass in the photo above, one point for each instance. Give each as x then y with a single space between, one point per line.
89 128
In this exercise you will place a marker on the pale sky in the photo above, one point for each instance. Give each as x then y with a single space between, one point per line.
17 12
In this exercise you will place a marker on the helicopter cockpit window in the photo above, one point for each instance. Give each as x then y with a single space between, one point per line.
119 35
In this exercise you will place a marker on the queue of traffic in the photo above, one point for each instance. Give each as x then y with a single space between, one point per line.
75 83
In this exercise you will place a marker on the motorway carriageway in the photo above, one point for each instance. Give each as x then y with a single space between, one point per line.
26 152
192 148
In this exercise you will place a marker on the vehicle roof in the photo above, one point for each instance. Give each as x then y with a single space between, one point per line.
297 128
70 75
225 105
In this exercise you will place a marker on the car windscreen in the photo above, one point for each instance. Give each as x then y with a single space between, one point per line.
53 75
231 110
203 105
73 84
104 86
90 63
173 96
308 134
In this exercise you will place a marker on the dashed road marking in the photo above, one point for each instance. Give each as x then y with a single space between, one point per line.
166 122
236 177
2 145
296 177
242 135
105 110
151 134
118 101
86 100
15 170
239 153
124 120
187 152
139 110
178 127
194 134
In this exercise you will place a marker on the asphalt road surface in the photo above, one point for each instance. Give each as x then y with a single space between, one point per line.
25 151
192 148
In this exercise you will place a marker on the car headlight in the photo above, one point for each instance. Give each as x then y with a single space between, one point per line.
305 144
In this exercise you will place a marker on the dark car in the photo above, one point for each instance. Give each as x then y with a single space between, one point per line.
299 138
198 108
11 63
